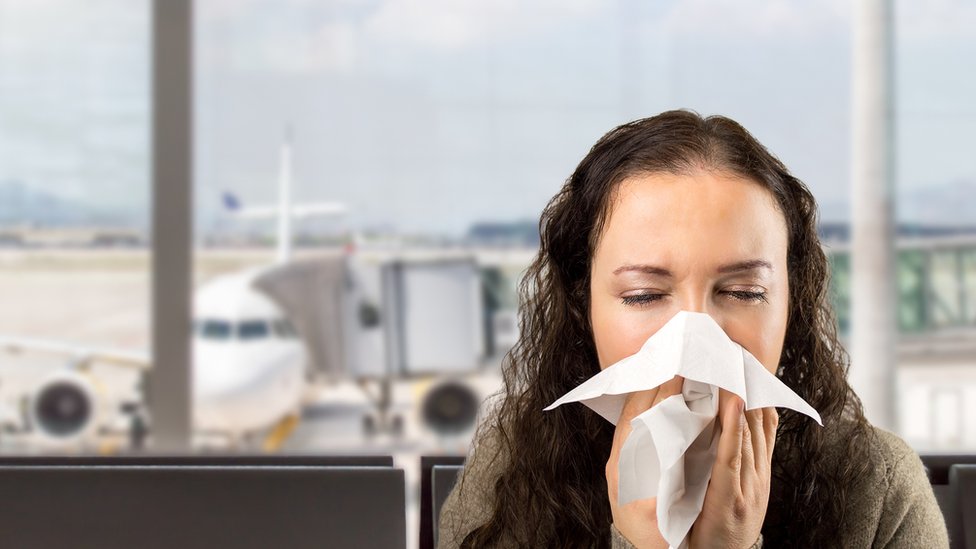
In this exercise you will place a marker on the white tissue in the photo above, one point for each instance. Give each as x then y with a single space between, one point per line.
672 447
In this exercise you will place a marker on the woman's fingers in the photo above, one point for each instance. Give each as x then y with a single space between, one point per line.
733 428
738 492
770 423
757 439
636 403
668 389
641 401
636 520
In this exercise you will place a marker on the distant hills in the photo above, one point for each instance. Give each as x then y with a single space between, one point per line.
949 204
21 204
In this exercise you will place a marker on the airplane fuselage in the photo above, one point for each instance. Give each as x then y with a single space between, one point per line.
249 365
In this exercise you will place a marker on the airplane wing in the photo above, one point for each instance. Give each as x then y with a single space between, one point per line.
318 209
116 357
234 205
257 212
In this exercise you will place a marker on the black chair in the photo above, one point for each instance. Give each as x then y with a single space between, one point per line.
953 479
217 460
951 492
962 483
156 502
442 480
437 476
937 465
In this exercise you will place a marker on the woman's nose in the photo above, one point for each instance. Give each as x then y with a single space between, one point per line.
693 301
698 302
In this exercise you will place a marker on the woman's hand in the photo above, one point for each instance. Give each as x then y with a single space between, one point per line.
637 520
738 492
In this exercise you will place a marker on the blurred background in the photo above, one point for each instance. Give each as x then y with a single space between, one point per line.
367 177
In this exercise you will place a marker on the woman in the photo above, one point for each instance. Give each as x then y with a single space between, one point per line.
669 213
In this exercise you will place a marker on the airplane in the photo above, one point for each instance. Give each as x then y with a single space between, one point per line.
251 369
250 365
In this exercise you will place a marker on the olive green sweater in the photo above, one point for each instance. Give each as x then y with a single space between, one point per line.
895 509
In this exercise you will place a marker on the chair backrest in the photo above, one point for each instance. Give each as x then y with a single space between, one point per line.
951 478
946 498
428 517
937 465
201 506
962 483
956 494
443 478
218 460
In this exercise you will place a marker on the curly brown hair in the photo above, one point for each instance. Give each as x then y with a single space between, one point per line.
552 491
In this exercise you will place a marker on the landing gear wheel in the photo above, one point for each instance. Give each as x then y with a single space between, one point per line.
396 425
369 425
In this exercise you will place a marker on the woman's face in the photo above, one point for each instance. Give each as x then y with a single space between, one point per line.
708 242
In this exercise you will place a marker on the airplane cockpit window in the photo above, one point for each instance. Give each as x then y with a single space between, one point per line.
252 329
214 329
284 329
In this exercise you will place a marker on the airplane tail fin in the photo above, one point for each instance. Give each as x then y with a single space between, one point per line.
231 202
285 211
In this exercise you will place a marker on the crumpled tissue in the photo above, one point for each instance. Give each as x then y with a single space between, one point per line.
671 449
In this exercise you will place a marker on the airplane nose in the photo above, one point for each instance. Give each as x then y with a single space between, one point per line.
221 370
217 371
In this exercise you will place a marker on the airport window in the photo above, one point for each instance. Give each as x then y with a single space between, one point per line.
464 133
914 293
74 204
947 295
381 130
840 289
967 289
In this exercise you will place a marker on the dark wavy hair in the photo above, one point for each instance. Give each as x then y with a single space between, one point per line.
552 491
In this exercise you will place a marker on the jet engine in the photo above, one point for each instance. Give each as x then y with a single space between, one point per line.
63 408
450 407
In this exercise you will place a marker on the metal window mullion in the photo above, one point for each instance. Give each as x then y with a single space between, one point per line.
169 389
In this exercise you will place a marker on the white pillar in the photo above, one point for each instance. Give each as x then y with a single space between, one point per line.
873 292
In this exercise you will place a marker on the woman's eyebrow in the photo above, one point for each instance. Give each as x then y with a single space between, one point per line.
750 265
649 269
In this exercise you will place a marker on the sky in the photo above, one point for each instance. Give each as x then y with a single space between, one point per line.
428 116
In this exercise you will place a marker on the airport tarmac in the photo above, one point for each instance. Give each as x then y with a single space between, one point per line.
94 297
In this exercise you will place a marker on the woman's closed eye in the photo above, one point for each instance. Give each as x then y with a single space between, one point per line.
736 295
743 295
642 299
